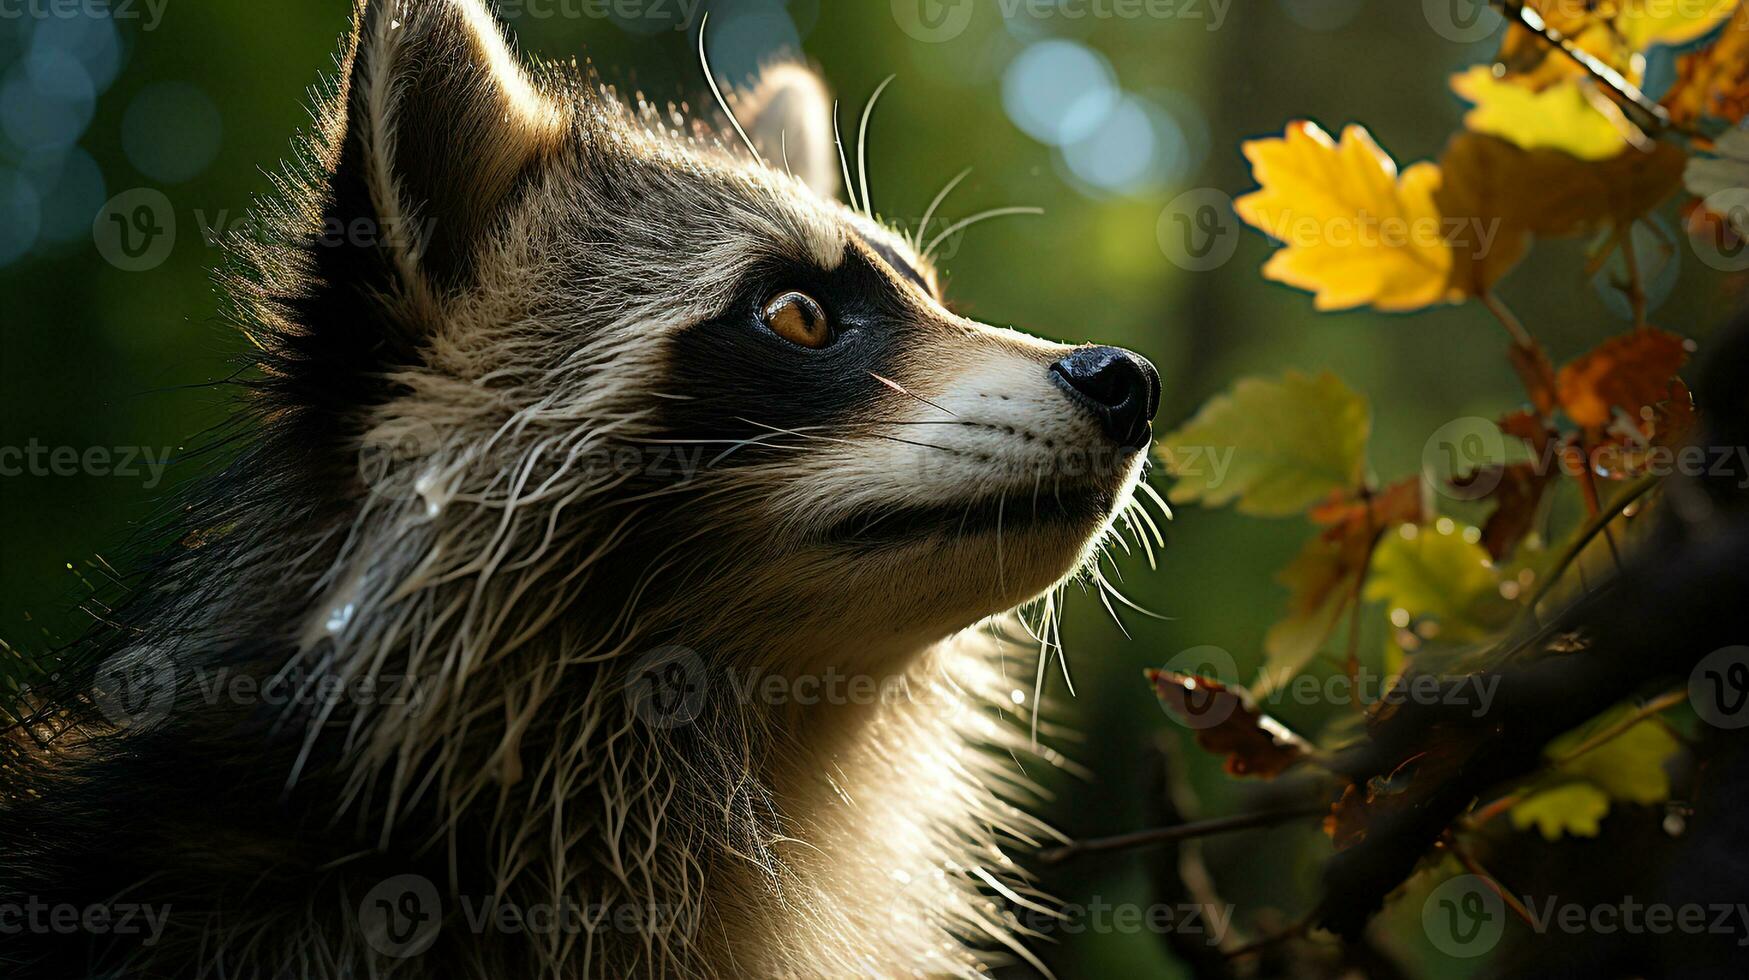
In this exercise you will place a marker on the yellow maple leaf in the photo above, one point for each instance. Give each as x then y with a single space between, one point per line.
1559 117
1354 232
1644 23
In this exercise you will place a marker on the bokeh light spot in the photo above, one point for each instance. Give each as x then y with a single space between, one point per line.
743 39
71 191
171 132
92 40
1059 91
1134 146
20 216
46 102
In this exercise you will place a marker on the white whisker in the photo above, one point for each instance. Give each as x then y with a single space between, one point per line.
965 223
843 161
1154 495
1105 600
711 77
917 237
901 389
862 145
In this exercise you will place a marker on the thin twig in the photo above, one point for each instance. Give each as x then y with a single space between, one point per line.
1651 709
1182 832
1636 289
1669 699
1513 325
1652 115
1262 943
1595 526
1494 809
1351 666
1475 867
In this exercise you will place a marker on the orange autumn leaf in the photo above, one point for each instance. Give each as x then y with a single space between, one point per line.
1343 517
1354 232
1714 81
1630 446
1630 372
1529 427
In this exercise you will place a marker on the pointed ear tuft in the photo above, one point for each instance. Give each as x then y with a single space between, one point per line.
443 127
788 115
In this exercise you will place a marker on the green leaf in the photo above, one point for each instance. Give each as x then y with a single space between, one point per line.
1275 447
1577 809
1629 768
1441 571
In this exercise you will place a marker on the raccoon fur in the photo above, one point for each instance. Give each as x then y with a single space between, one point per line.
606 575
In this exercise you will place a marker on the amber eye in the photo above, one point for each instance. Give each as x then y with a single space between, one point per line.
798 319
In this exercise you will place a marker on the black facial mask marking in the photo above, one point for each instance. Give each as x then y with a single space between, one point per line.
892 257
740 381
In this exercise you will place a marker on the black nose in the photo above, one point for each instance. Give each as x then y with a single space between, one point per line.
1121 389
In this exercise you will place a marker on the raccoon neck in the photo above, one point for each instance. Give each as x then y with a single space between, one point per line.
895 797
807 820
849 824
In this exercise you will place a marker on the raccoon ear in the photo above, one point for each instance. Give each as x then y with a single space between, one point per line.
788 115
442 127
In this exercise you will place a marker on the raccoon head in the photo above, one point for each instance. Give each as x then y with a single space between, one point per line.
604 335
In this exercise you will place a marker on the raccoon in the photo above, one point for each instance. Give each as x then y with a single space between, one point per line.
609 575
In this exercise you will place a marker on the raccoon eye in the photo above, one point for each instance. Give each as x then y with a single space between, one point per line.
798 319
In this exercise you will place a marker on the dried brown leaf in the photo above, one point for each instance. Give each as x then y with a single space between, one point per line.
1228 723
